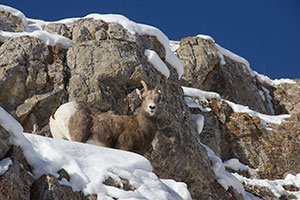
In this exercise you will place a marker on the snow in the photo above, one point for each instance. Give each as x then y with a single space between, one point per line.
89 165
223 177
276 186
4 165
47 38
192 104
275 119
155 60
205 37
236 165
174 45
202 95
267 80
199 119
224 52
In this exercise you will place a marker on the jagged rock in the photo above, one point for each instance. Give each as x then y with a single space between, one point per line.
9 22
125 184
287 97
261 192
238 135
32 78
199 57
15 183
4 142
232 81
58 28
48 187
88 29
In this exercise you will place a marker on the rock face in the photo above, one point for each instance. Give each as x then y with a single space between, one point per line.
232 80
286 97
9 22
104 67
32 79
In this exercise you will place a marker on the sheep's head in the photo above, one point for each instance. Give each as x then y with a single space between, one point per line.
151 100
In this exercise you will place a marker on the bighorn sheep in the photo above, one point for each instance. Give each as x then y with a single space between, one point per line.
77 122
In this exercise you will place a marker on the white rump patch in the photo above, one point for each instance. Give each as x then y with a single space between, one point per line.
59 126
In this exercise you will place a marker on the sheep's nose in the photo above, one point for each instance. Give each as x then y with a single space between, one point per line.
152 107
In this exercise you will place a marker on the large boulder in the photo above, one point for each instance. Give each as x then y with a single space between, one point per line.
16 182
230 78
286 97
32 80
11 23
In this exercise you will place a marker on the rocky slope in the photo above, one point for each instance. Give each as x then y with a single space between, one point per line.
102 68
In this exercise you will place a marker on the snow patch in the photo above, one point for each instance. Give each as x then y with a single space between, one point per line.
236 165
276 186
199 119
155 60
4 165
202 95
47 38
174 45
205 37
277 119
223 177
224 52
192 104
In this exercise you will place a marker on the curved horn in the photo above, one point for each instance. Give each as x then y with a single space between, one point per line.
145 86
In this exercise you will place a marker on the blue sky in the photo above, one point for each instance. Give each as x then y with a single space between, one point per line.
265 32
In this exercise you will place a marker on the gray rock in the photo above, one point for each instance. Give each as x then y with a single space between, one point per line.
15 183
232 81
11 23
88 29
58 28
4 142
48 187
28 67
286 98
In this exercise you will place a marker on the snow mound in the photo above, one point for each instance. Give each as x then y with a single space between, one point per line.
155 60
89 165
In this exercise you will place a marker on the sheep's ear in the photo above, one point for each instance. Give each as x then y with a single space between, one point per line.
157 89
139 93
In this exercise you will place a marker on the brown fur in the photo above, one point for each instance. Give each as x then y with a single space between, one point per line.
131 133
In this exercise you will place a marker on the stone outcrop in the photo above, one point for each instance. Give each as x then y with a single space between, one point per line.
32 80
238 135
286 97
9 22
233 81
